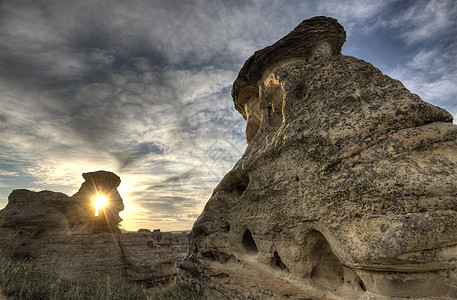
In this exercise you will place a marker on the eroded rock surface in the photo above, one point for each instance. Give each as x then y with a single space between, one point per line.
345 191
35 212
64 233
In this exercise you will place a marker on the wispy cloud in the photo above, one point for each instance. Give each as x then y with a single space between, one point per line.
142 88
352 12
426 20
430 68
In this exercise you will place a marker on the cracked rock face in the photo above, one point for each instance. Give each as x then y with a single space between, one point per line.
346 189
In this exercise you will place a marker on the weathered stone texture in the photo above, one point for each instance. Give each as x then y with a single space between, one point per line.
345 191
130 256
33 212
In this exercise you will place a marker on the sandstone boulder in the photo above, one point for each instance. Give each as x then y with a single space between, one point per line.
345 191
34 212
144 231
147 263
50 211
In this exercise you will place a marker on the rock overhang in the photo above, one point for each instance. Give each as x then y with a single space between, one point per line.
311 39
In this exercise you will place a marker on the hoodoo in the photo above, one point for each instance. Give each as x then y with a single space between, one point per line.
99 185
345 191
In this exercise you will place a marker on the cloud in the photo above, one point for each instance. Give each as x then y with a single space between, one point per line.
8 173
142 88
430 69
426 20
352 11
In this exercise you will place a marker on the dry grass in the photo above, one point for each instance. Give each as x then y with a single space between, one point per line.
24 279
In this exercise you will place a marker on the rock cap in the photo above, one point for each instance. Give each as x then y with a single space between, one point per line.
311 38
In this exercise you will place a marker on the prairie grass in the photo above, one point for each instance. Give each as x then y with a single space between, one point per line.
25 279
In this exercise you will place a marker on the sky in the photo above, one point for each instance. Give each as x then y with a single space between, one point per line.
142 88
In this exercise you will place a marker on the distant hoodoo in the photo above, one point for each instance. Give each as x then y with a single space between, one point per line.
345 191
99 202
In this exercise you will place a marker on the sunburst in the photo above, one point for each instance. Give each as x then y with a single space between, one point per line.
99 203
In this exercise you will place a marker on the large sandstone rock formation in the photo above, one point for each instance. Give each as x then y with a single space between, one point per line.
346 189
64 233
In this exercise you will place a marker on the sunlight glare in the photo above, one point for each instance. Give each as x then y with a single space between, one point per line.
99 202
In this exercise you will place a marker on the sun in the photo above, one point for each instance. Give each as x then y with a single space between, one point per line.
99 203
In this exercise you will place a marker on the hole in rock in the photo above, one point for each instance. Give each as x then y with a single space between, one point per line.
272 101
327 271
241 186
274 117
249 244
352 279
209 255
227 228
278 262
199 230
252 127
235 182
